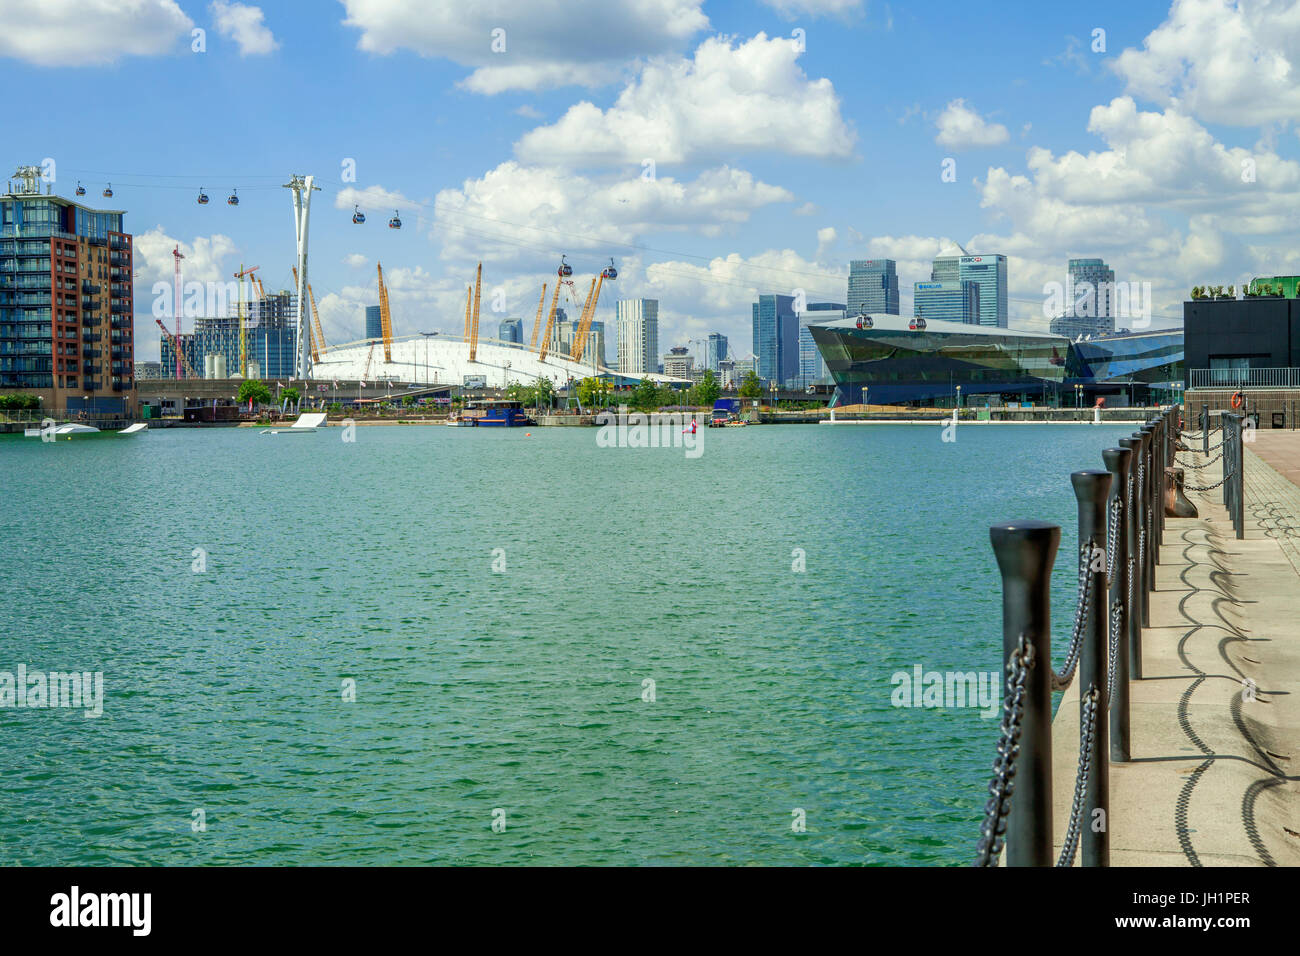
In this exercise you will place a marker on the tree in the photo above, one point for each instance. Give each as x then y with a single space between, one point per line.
588 389
706 392
254 391
645 397
750 386
290 395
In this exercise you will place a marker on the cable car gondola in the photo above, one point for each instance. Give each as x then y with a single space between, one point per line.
864 321
108 191
358 217
395 222
203 197
81 190
610 272
233 198
917 324
565 269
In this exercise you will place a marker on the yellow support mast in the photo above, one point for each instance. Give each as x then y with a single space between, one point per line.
550 325
469 301
473 329
316 335
537 322
385 317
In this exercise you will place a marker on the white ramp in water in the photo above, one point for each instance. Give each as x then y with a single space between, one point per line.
135 429
304 424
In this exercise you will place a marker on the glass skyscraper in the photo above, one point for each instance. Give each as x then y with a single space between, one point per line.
951 300
990 273
374 324
715 350
511 330
776 338
638 335
873 287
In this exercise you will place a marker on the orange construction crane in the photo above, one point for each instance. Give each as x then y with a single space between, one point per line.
589 310
473 329
537 322
176 347
385 317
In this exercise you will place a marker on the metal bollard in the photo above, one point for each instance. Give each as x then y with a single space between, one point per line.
1137 582
1117 462
1148 512
1026 551
1091 488
1205 429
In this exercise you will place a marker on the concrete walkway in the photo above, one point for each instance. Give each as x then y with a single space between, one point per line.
1215 775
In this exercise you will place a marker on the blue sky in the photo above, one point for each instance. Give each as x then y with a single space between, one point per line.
773 166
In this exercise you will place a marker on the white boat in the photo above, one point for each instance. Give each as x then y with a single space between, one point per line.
305 423
63 431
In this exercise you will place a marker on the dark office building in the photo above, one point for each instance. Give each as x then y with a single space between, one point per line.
1232 341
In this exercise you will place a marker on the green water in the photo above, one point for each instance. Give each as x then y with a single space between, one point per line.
519 691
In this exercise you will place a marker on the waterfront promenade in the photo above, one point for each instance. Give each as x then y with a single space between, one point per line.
1214 778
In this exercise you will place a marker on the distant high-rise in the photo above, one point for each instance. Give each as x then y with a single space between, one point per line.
950 300
1089 300
679 363
715 350
776 338
954 264
374 324
511 330
812 367
873 287
638 336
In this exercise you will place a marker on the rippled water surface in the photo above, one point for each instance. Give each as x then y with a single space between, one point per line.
520 691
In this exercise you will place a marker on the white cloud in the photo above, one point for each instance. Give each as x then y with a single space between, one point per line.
753 96
89 32
807 209
373 198
962 128
205 257
243 24
528 112
843 9
1228 62
355 260
547 43
518 210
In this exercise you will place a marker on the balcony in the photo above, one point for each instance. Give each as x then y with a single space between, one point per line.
119 307
92 305
118 259
1244 377
88 352
91 337
119 242
89 288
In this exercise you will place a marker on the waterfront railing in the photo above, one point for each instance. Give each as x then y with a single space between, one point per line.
1121 521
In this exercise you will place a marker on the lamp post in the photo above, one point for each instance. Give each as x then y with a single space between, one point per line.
959 396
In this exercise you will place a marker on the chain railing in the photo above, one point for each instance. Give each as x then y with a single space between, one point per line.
1122 506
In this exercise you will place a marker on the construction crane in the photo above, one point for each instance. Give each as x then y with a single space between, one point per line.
243 346
369 355
537 322
318 346
589 310
385 318
473 329
178 256
180 355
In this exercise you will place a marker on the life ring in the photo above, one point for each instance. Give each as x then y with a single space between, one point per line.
1236 400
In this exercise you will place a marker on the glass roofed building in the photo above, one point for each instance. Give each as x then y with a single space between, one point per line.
889 359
